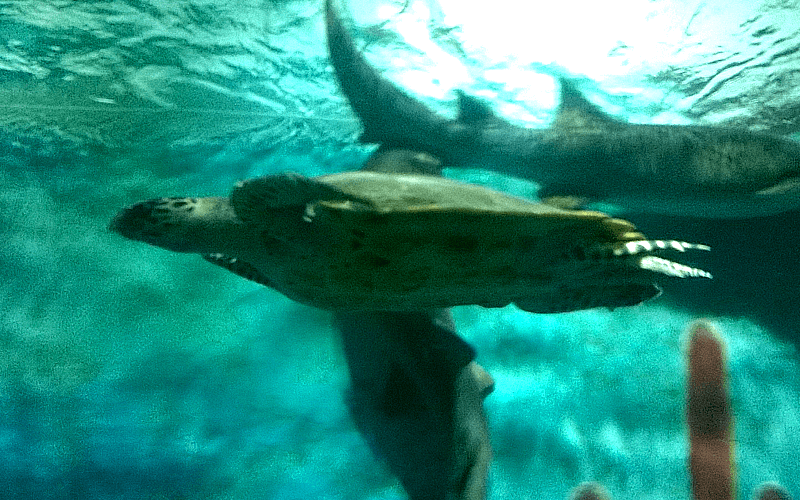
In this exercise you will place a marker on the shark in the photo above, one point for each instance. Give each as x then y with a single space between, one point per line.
585 156
416 395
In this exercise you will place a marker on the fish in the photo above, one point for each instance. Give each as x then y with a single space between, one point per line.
585 156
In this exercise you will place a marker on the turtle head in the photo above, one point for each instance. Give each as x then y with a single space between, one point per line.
190 225
148 221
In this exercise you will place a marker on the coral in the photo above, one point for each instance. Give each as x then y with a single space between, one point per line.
709 418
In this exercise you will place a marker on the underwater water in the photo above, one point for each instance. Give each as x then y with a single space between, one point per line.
127 371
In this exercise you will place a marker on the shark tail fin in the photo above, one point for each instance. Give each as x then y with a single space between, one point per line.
389 115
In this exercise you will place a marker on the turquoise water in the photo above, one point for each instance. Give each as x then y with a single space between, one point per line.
130 372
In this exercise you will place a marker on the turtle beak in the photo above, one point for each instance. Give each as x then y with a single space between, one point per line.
127 221
138 223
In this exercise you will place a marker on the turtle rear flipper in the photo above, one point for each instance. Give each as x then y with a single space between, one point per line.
256 200
576 298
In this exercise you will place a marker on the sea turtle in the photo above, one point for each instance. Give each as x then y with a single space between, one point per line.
370 240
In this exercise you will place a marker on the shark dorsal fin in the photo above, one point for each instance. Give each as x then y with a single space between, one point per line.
576 112
471 109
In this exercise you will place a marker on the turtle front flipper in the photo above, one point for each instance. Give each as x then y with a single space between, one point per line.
239 267
256 200
191 225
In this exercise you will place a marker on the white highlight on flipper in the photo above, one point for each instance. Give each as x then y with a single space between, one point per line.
639 246
670 268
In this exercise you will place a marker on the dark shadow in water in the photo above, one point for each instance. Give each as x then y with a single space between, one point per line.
756 267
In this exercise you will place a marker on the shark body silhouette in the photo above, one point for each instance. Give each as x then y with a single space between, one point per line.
586 155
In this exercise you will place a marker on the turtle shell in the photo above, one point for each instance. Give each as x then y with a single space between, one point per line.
378 241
